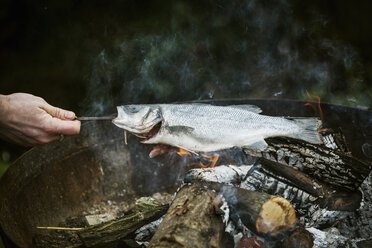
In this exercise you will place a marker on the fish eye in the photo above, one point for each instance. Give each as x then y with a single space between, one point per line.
133 109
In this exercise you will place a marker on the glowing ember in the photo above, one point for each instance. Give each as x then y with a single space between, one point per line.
183 152
250 242
213 158
316 107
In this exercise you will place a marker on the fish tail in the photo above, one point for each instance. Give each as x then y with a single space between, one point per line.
308 129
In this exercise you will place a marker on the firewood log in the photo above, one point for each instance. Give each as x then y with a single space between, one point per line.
264 214
191 221
110 233
327 165
329 197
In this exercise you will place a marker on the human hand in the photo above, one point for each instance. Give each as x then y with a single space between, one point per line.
29 120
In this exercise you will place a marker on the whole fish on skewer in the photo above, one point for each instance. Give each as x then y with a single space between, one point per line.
206 128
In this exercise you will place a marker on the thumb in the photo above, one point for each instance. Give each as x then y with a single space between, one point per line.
59 113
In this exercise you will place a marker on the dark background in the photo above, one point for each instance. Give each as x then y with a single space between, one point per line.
88 56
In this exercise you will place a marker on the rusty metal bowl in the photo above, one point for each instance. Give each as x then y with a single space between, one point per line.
55 181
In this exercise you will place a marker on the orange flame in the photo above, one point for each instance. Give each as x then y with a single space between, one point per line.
183 152
213 158
258 244
316 107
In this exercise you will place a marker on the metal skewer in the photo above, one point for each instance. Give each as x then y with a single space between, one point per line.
91 118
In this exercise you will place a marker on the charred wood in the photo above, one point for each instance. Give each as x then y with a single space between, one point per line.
331 166
300 238
278 179
191 221
359 223
110 233
329 197
365 244
250 242
258 180
264 214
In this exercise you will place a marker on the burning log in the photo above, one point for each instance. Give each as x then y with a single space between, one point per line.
331 166
264 214
257 180
278 179
110 233
191 221
329 197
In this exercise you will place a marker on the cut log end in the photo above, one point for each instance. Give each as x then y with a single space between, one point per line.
276 216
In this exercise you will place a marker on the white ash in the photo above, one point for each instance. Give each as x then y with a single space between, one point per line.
108 210
235 228
98 218
145 233
112 208
223 174
162 198
329 240
329 142
359 223
323 217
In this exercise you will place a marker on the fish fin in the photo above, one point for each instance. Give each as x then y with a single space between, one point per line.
260 145
251 108
308 129
179 129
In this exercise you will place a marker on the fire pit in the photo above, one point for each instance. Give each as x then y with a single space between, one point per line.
97 172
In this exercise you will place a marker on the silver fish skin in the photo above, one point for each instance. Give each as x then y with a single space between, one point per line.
207 128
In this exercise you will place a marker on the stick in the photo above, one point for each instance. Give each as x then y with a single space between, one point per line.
60 228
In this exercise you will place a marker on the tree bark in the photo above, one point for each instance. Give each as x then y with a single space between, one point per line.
110 233
330 166
191 221
329 197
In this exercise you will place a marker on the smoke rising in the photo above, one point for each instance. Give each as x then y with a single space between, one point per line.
219 49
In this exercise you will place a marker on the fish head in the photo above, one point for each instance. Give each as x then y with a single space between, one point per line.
138 119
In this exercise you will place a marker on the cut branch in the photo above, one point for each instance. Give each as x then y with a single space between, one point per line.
191 221
110 233
264 214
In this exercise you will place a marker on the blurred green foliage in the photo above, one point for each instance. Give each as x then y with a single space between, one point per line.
3 167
